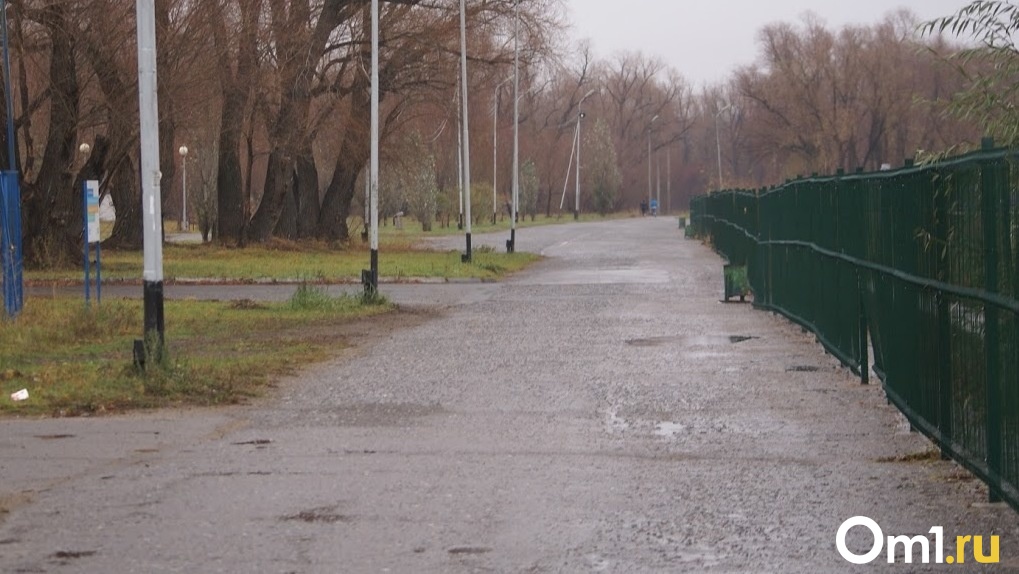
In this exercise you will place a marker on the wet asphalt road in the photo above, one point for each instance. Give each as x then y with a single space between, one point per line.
601 412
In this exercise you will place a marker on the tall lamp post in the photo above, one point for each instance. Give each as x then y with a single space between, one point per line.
183 151
495 150
152 236
371 282
511 245
718 144
466 132
580 115
650 129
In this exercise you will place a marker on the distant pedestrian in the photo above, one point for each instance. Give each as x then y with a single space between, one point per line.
643 207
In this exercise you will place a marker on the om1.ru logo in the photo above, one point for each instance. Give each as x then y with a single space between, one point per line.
909 545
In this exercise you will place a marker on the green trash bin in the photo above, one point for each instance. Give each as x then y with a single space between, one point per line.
736 282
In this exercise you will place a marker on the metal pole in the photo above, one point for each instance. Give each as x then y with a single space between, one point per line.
184 186
183 151
373 283
511 245
459 159
650 128
668 180
718 143
152 217
466 131
576 206
11 148
495 154
658 179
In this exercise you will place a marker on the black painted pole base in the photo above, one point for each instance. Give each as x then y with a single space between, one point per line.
370 277
151 347
460 221
511 243
469 255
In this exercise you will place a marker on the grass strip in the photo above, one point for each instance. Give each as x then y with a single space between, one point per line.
76 361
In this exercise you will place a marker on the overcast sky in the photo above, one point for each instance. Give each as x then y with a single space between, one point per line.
706 39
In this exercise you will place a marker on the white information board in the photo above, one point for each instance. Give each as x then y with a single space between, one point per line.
92 210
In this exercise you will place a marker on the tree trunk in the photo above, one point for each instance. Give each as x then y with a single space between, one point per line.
306 194
236 92
278 185
286 227
53 212
355 152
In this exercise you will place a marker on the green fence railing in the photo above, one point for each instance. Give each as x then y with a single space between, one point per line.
917 264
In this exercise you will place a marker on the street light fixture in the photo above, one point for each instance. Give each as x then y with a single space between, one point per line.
718 144
651 127
183 151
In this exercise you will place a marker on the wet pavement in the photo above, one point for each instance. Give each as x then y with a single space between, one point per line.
601 412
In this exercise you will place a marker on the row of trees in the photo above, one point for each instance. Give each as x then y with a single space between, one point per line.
272 98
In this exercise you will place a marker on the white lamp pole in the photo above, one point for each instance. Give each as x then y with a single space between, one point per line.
152 216
511 245
183 151
580 115
651 127
495 151
372 285
466 132
718 144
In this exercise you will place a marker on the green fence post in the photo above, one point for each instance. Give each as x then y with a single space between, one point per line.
989 187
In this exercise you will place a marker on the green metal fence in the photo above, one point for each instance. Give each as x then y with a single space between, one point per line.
918 264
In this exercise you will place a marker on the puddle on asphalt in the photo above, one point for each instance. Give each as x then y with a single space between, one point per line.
691 340
669 430
619 420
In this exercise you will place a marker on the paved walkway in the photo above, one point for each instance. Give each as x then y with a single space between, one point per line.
602 412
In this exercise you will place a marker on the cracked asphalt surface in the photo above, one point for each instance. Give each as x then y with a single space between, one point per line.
600 412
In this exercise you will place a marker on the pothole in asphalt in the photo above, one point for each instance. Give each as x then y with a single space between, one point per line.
382 414
323 515
469 550
802 369
72 554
